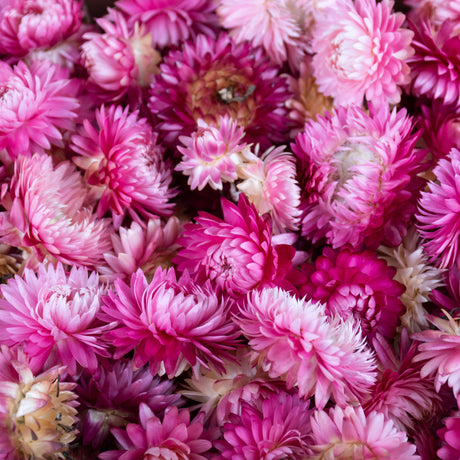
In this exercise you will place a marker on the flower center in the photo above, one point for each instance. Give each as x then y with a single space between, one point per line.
349 155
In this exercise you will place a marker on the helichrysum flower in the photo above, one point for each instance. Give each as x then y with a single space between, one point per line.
450 434
357 285
38 413
46 211
174 436
237 253
273 428
169 323
359 176
37 104
361 50
208 78
295 340
123 165
350 434
439 212
54 314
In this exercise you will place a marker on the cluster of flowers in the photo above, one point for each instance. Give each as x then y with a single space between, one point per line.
230 229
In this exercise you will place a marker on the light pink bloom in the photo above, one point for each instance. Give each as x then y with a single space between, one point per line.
46 211
437 11
124 165
37 104
26 25
450 434
361 51
295 340
359 174
347 433
169 323
53 313
439 212
170 22
237 253
174 436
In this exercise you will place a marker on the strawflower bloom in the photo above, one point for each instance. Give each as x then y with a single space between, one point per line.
37 104
237 253
295 340
124 165
208 78
361 50
359 176
174 436
437 11
38 413
349 433
170 323
450 434
54 314
55 222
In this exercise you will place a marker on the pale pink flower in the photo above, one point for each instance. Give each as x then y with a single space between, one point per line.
54 313
361 50
171 22
359 174
271 185
169 323
237 253
37 103
26 25
46 211
450 434
210 155
273 428
124 165
343 434
295 340
437 11
174 436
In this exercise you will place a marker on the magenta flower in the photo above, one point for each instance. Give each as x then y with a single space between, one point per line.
296 341
37 104
123 165
173 437
359 176
169 323
54 314
361 50
450 434
210 78
237 253
357 285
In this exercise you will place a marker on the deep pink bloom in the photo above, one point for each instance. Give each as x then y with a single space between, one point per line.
210 78
37 103
361 50
358 285
295 340
54 314
359 176
237 253
169 323
450 434
174 436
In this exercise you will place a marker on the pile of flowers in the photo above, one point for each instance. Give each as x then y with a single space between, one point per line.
230 229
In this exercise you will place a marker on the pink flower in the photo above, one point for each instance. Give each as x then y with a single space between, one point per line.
295 340
26 25
450 434
348 433
52 220
210 78
210 155
361 51
439 212
173 437
273 428
123 165
357 285
171 22
54 313
169 323
359 176
237 253
37 105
